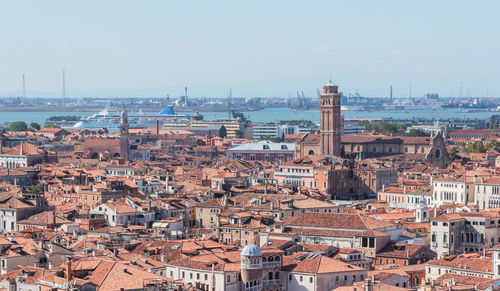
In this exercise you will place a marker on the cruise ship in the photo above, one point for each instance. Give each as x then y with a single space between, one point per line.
111 120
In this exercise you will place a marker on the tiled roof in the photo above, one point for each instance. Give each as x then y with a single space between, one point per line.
316 264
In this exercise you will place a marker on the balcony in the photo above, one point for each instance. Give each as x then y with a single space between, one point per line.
271 264
271 282
250 266
294 174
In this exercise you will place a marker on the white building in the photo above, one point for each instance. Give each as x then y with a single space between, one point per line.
453 190
487 192
124 212
277 130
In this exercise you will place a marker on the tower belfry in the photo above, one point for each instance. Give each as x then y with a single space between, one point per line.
124 142
330 125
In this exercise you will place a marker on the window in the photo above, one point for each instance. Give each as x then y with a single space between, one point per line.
206 277
337 278
301 278
290 277
310 279
228 278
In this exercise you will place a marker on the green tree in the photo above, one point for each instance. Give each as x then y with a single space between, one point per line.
50 125
35 188
18 126
386 128
416 132
34 126
454 153
492 144
475 147
239 134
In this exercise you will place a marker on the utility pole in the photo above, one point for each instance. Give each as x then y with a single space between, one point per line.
229 103
64 85
24 90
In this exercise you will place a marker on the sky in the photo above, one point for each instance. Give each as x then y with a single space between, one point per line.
258 48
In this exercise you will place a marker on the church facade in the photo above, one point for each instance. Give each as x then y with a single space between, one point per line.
116 147
329 140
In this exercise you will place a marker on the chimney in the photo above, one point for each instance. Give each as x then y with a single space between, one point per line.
368 285
157 127
68 270
54 218
162 257
404 189
21 149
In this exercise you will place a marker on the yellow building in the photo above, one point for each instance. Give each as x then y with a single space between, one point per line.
234 128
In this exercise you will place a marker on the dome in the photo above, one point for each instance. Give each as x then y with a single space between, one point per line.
251 251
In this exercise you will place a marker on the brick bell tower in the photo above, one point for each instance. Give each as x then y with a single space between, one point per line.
331 123
124 142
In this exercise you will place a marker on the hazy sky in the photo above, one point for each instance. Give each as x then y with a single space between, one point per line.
263 48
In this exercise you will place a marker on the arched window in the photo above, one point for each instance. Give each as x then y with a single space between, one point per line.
277 258
270 276
406 149
311 152
271 259
277 275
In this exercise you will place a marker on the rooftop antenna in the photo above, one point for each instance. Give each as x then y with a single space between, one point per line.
229 103
390 96
24 90
64 84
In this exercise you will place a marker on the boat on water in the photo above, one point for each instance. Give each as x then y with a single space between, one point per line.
111 120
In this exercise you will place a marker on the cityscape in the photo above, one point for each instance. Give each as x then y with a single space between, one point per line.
227 146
